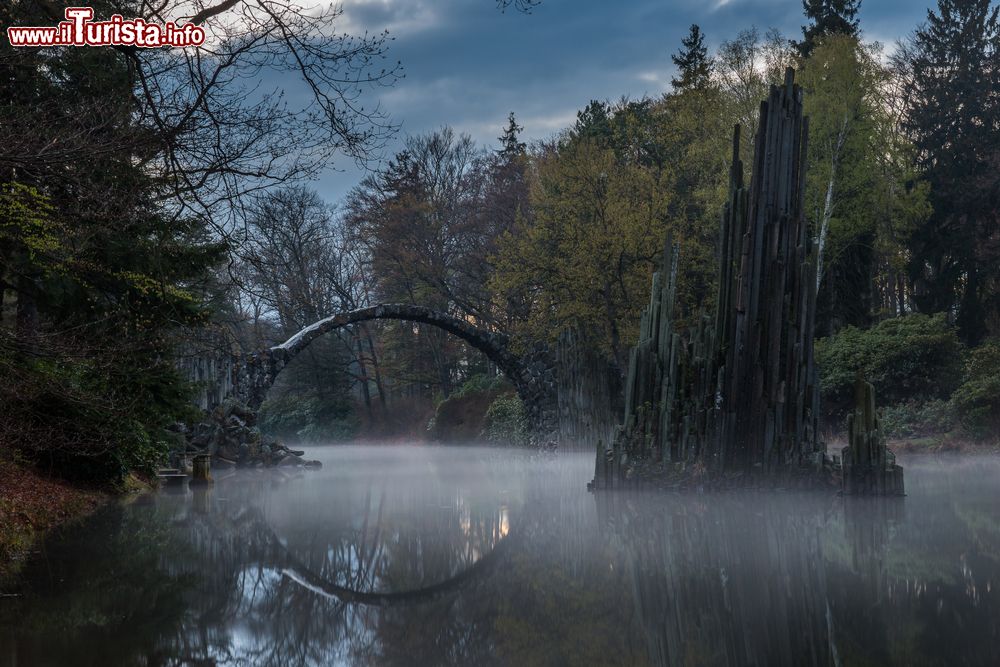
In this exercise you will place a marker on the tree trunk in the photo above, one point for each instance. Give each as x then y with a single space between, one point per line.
828 202
27 308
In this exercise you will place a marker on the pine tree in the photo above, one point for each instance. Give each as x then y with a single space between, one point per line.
104 277
953 116
828 17
693 64
510 147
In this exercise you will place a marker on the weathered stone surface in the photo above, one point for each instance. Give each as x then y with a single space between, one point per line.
533 375
735 397
226 439
869 467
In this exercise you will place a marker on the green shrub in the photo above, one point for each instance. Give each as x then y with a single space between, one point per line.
480 384
977 400
91 418
911 419
507 422
308 419
912 357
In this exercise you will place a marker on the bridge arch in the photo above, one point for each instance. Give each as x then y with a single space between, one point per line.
532 375
303 576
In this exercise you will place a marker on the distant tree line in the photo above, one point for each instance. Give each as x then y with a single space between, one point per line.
529 240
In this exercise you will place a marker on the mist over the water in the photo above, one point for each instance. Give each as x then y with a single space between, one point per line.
417 555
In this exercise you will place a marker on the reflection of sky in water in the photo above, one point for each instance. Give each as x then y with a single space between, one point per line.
491 557
245 641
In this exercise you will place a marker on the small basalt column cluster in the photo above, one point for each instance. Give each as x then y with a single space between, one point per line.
869 467
736 398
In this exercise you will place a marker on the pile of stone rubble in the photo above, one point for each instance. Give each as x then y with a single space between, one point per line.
229 435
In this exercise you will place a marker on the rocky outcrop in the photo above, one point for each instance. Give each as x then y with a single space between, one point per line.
229 435
537 386
734 397
869 466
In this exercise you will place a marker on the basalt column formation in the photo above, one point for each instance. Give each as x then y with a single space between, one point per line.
735 400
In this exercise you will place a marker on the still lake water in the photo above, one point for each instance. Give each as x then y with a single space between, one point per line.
408 555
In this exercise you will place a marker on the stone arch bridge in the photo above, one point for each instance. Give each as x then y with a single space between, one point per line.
533 374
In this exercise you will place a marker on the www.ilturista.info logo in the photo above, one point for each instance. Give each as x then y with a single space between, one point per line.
79 30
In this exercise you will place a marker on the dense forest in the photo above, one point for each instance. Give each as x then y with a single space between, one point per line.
159 203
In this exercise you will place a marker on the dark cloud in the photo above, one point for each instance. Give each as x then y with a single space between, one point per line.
467 65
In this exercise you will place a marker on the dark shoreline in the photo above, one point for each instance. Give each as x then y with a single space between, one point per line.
32 504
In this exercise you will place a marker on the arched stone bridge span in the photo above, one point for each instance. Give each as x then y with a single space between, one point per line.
533 374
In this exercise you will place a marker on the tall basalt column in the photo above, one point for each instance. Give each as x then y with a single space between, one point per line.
735 399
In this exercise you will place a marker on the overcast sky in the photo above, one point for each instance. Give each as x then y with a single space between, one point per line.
468 65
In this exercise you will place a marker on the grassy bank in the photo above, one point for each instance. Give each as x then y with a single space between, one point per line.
32 503
940 444
929 443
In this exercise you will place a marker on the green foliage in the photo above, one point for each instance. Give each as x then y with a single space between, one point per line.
916 418
97 273
605 194
951 70
309 419
507 422
827 17
88 418
916 356
480 383
462 417
977 400
860 200
117 592
93 404
694 67
26 223
591 230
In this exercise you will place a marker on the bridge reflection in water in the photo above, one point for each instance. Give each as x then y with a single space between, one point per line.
409 556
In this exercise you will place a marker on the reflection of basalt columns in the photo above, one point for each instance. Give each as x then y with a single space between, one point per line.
869 466
739 582
867 523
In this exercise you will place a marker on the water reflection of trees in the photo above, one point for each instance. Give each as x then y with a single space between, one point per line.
86 601
547 596
557 577
917 582
368 556
765 579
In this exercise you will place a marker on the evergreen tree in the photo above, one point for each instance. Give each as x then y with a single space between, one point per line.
593 123
828 17
953 116
103 277
693 64
510 146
